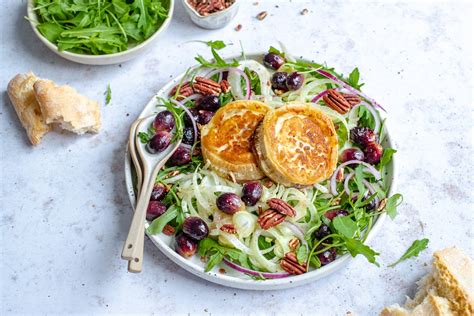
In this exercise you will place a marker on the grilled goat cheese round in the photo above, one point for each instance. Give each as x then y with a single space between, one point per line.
296 144
227 140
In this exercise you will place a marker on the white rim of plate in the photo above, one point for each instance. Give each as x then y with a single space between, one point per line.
231 281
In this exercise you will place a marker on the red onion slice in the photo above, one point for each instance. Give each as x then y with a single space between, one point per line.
190 117
322 94
348 87
346 182
370 169
267 275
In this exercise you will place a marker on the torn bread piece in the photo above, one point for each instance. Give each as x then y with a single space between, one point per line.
447 290
21 93
65 106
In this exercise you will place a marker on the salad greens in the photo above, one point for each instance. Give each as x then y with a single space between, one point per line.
98 27
108 95
333 218
413 251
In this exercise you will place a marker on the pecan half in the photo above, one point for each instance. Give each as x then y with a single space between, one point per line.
294 243
382 204
168 230
184 91
281 207
353 99
337 102
228 228
206 86
270 218
290 264
225 86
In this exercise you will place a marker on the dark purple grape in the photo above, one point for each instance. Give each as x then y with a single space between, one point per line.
373 152
155 209
322 232
188 136
363 136
209 103
273 60
294 81
279 81
195 228
371 206
187 120
327 256
159 142
229 203
159 192
180 157
352 154
251 193
164 121
336 213
185 246
204 117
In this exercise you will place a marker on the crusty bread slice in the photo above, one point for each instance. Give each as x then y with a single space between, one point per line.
64 106
21 93
432 305
454 278
447 290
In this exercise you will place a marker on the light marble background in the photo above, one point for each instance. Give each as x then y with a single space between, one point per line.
64 206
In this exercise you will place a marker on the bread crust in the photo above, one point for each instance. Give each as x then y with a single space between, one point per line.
21 93
447 290
65 106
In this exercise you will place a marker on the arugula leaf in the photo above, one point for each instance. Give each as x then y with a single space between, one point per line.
345 226
108 95
209 247
158 224
386 157
302 254
217 45
276 51
359 176
365 117
144 138
413 251
353 79
392 203
219 61
356 247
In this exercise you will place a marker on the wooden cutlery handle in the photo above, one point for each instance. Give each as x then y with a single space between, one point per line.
130 249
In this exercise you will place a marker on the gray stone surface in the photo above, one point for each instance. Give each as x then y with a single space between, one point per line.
64 206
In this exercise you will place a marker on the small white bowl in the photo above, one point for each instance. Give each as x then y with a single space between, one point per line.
214 20
106 59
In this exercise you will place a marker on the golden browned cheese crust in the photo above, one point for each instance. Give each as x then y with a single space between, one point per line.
21 93
63 105
297 145
227 140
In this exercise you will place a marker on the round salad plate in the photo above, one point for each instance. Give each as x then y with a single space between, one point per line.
232 278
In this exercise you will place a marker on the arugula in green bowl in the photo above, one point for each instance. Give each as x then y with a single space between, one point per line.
98 27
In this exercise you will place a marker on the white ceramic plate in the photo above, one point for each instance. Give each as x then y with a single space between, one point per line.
107 59
233 278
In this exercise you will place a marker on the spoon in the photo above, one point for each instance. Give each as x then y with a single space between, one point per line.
152 163
135 266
